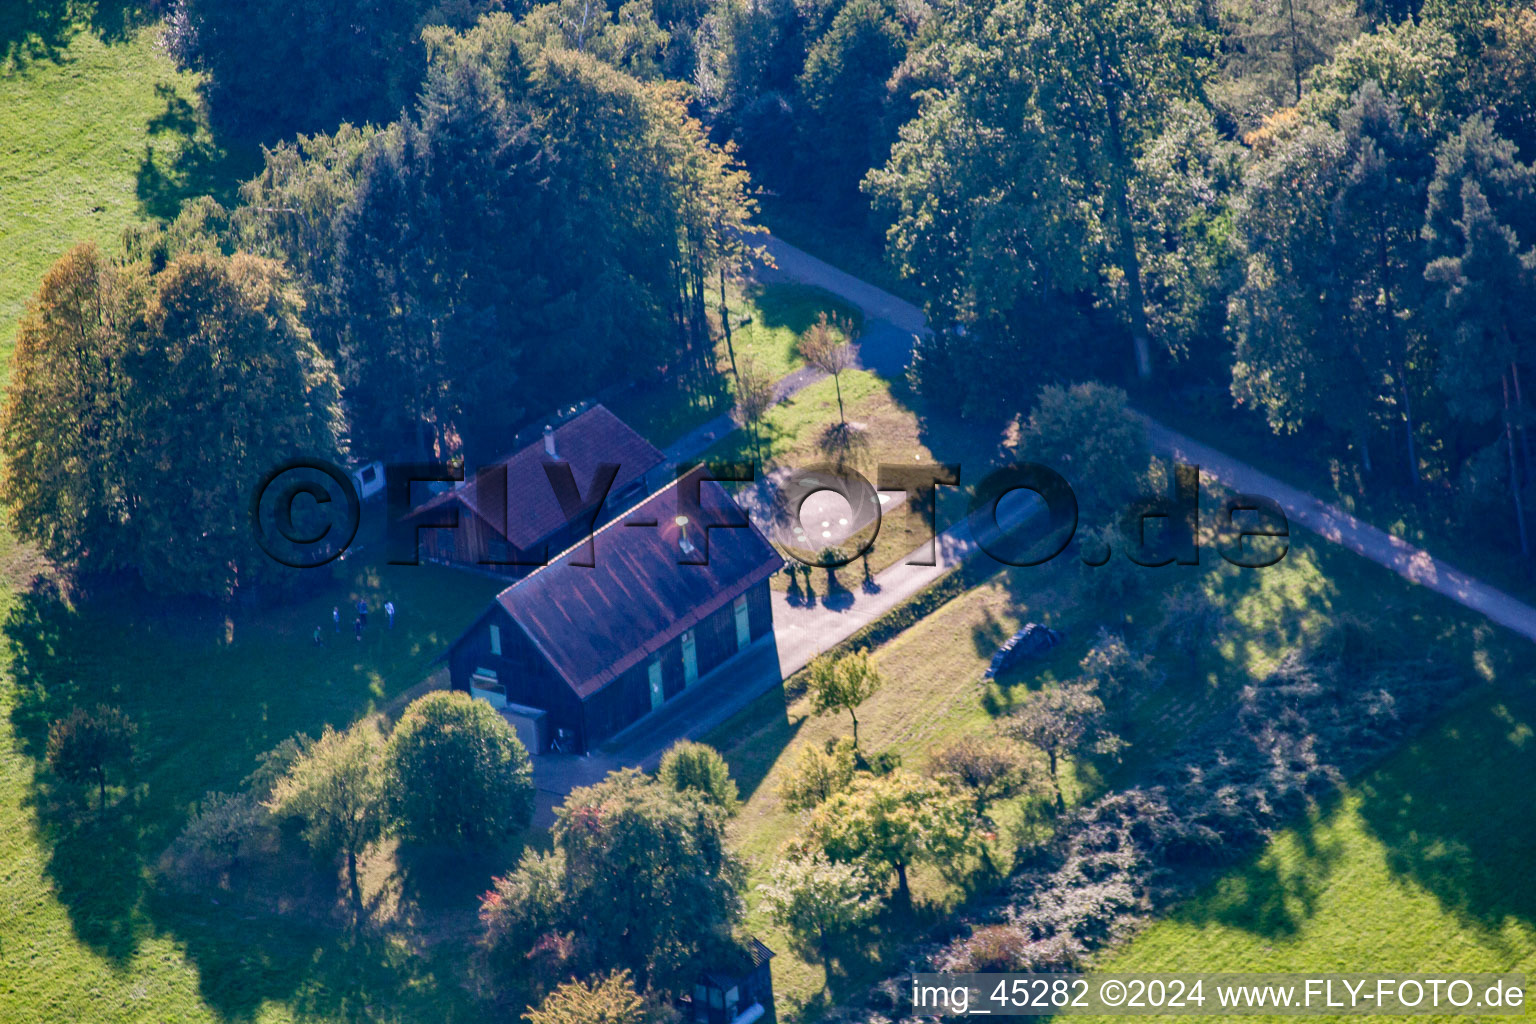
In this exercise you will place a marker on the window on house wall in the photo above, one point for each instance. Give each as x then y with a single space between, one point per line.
495 639
658 693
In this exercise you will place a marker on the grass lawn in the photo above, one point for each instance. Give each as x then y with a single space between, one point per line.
934 692
85 934
776 315
94 136
891 426
1424 866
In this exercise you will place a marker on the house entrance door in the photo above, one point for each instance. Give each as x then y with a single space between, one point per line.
657 695
690 659
743 623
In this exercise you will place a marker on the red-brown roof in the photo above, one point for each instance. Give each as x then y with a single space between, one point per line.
530 512
593 624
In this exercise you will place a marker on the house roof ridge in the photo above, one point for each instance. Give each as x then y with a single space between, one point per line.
615 521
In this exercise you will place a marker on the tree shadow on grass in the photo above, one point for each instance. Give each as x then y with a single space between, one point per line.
183 159
752 741
1275 894
95 860
245 960
95 856
1446 808
40 30
796 306
445 883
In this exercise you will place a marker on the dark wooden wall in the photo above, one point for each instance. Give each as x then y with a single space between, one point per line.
528 678
628 699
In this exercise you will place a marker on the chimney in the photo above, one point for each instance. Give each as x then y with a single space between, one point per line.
682 536
549 441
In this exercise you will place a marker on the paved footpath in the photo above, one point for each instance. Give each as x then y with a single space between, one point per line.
1328 521
801 631
1337 525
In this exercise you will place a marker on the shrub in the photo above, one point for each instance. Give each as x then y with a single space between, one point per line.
984 770
456 772
608 999
1112 668
213 837
995 948
699 768
522 914
817 775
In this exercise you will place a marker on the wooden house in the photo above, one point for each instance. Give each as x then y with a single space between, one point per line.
509 518
577 652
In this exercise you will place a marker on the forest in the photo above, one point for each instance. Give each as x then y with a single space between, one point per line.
414 230
1298 214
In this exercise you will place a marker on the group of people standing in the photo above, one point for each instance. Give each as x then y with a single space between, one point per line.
358 623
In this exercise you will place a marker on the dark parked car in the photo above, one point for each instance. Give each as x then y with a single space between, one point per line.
1030 642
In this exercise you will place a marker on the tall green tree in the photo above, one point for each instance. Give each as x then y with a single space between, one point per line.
1012 183
1325 323
648 878
843 89
1271 46
150 396
222 383
455 772
537 223
337 788
1480 229
1185 184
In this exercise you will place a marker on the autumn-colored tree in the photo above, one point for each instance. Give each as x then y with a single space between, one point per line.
62 422
221 386
755 395
893 821
86 744
606 999
827 345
